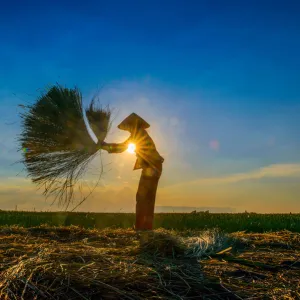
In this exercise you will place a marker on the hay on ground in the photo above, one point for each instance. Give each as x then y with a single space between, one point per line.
74 263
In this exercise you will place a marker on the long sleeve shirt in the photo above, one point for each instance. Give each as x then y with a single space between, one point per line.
146 153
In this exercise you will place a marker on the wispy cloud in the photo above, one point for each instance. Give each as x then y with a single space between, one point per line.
272 171
20 192
213 192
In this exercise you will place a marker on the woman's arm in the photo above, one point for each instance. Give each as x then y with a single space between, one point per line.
114 147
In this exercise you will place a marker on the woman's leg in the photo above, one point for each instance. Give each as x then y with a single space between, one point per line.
141 201
149 215
145 199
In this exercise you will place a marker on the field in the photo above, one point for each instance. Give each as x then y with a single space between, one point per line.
200 258
228 222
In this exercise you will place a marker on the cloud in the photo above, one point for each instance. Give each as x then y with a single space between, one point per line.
212 192
28 197
272 171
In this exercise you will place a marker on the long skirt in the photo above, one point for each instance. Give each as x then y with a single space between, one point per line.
145 198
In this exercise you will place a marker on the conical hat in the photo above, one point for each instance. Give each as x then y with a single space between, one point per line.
133 121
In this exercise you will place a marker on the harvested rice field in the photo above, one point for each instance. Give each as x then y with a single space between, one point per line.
48 262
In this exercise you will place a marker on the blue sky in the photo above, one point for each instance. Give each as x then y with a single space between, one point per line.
218 82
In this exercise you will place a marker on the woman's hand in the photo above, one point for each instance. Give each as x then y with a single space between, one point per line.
113 147
104 146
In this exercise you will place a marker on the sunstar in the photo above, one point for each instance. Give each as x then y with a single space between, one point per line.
131 148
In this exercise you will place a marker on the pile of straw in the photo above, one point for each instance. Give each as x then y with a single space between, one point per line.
73 263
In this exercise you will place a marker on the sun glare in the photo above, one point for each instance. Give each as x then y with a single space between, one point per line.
131 148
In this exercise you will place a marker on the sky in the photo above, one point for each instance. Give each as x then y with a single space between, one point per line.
218 81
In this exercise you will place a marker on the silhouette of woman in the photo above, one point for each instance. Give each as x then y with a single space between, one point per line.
149 160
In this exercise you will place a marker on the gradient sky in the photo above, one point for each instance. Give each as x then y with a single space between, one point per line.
217 80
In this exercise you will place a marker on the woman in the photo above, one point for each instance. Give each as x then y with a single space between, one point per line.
149 160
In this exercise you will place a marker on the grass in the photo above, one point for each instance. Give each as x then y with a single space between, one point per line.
47 262
180 221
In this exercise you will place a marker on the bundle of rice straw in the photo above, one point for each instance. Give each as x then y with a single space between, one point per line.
57 147
99 120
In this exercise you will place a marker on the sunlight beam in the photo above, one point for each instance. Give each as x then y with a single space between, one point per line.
131 148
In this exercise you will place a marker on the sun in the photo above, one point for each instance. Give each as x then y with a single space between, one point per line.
131 148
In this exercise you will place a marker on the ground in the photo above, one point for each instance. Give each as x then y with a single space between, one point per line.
75 263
